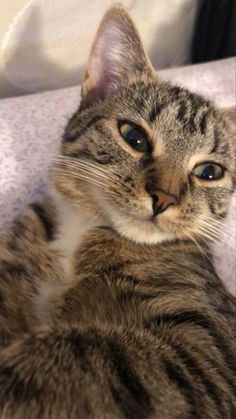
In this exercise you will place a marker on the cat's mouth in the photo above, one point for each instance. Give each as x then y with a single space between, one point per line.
146 229
139 225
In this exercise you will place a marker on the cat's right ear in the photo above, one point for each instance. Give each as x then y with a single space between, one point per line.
117 53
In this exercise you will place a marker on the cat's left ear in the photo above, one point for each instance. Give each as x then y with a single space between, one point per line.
117 54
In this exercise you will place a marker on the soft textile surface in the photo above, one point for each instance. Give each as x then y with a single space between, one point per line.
47 39
31 129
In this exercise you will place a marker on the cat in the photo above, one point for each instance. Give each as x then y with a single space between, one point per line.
110 306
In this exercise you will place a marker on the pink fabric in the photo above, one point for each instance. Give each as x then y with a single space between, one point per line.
30 133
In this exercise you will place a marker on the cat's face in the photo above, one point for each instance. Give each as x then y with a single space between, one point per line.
155 159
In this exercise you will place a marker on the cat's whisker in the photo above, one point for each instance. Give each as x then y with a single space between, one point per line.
100 175
86 163
219 231
209 239
206 227
204 254
79 176
78 172
82 177
208 235
203 239
81 166
210 227
94 170
220 225
213 220
214 224
210 230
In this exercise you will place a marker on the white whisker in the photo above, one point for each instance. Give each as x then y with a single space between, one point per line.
80 176
86 163
204 254
220 232
218 225
208 235
94 170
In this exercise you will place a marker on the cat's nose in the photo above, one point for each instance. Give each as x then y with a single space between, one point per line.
161 201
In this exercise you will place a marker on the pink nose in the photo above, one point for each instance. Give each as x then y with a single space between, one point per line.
161 201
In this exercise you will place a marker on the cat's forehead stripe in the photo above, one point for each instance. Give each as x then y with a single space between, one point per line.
76 130
216 142
155 112
190 110
193 115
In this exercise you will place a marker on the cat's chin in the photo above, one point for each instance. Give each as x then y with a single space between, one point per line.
139 231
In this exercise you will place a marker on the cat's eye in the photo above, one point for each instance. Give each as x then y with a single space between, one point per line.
135 136
208 171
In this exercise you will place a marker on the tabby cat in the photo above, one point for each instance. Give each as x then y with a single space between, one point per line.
109 303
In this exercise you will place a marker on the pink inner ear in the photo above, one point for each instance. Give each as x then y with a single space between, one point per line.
117 52
107 60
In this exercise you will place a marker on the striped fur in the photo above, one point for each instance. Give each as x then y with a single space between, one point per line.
105 313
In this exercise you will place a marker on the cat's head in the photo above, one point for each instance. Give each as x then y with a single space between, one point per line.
155 159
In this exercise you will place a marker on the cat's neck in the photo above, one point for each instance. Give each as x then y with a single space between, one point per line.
73 223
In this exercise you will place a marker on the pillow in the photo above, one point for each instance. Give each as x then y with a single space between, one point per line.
48 38
30 133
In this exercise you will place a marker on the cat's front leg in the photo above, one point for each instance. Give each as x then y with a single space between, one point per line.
26 261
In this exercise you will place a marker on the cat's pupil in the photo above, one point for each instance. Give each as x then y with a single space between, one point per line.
208 172
135 139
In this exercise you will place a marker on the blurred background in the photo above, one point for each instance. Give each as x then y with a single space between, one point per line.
44 44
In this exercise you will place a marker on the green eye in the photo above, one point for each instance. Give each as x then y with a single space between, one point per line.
208 171
134 136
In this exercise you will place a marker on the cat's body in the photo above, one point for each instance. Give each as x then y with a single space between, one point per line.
140 332
109 303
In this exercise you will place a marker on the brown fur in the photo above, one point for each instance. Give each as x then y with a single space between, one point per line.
107 311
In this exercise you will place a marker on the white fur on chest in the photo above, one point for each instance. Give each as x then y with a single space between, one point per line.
74 223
